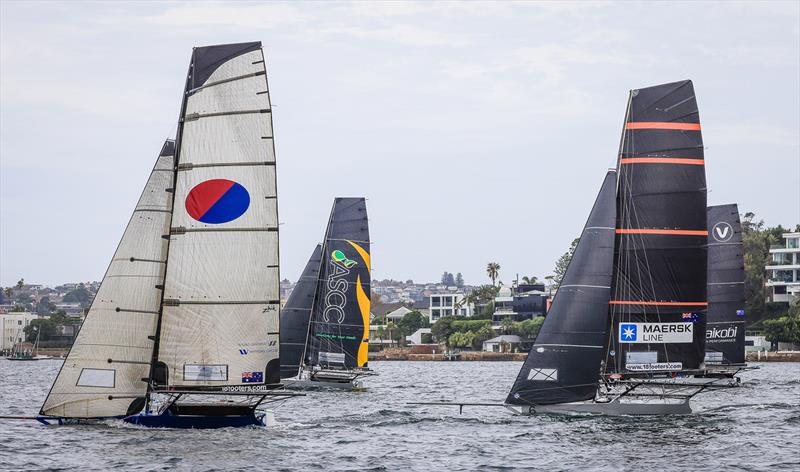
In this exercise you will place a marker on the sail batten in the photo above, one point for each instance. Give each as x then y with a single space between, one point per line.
105 373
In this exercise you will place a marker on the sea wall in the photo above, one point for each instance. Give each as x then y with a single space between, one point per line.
434 353
775 356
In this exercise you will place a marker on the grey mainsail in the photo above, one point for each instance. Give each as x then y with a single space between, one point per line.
296 316
339 333
564 362
726 299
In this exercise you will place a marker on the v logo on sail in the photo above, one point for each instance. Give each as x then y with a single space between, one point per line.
722 232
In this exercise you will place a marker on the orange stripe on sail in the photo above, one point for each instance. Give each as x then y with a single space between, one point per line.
678 232
638 302
663 125
661 160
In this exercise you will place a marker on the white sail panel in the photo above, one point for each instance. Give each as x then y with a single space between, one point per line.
257 180
222 266
220 308
105 372
243 338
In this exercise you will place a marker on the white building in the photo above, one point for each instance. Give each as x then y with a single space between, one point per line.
12 327
449 304
504 343
416 338
784 269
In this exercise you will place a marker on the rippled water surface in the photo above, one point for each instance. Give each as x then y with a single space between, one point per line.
755 427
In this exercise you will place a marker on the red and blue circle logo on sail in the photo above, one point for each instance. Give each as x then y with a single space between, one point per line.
217 201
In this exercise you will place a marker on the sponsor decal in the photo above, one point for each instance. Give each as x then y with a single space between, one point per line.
739 312
245 388
543 375
339 256
656 332
336 298
331 357
217 201
722 232
243 352
200 372
652 366
721 335
252 377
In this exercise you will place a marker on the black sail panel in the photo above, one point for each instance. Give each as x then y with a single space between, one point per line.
725 328
564 363
658 306
296 316
340 318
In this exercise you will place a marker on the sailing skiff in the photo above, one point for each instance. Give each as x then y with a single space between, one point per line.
325 322
184 329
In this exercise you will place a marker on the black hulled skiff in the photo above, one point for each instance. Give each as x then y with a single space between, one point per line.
325 322
184 330
626 332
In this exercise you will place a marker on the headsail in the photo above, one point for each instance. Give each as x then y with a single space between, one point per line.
219 324
296 316
658 305
340 318
564 362
725 329
105 373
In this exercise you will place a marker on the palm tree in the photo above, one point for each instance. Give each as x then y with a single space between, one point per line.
530 280
391 327
493 271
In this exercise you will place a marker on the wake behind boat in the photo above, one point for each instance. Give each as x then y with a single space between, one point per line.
325 322
184 329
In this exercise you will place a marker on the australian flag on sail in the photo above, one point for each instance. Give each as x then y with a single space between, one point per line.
252 377
693 317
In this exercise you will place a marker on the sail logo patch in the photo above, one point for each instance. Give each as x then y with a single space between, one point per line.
627 333
217 201
338 256
656 332
722 232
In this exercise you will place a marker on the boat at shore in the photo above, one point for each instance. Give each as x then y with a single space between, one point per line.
325 322
184 330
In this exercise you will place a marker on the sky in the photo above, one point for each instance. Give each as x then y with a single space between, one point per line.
477 131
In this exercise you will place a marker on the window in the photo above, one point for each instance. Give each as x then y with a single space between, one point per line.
793 243
96 378
19 322
780 290
436 301
436 314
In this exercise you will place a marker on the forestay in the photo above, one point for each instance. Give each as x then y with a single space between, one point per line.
658 305
221 298
564 362
296 316
105 373
340 317
726 316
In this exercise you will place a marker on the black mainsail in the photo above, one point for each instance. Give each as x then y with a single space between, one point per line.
658 305
726 300
564 362
296 316
339 331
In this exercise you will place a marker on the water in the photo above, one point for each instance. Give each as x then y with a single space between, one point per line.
755 427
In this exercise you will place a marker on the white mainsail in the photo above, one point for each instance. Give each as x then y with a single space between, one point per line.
106 371
219 324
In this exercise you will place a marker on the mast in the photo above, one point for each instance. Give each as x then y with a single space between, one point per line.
296 317
658 305
339 329
219 322
726 300
564 362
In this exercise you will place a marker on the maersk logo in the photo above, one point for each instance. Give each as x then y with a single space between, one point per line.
627 333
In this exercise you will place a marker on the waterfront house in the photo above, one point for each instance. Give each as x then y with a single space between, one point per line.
784 269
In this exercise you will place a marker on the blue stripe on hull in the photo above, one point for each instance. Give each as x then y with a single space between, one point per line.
168 420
